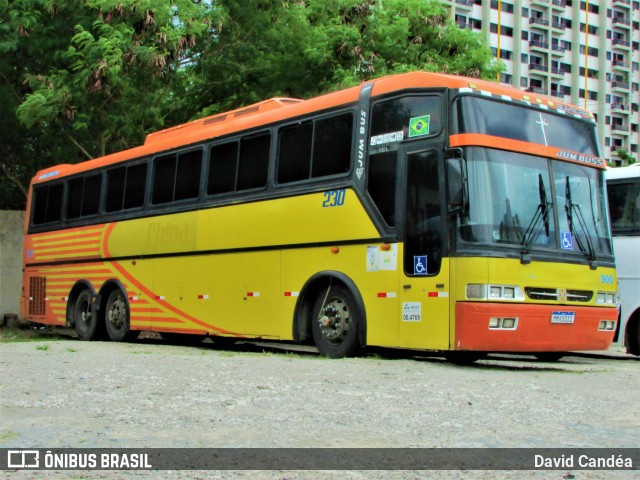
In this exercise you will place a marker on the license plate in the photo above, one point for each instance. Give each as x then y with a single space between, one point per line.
563 317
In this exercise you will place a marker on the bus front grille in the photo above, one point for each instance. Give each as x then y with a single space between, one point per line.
559 294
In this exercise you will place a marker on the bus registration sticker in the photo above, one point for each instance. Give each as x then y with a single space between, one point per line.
411 311
563 317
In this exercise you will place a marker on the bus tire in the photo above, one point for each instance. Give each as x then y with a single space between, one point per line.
85 317
549 356
116 317
335 323
464 357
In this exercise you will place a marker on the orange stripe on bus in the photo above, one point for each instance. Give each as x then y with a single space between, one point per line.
482 140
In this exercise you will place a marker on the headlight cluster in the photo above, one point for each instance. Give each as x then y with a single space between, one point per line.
479 291
606 298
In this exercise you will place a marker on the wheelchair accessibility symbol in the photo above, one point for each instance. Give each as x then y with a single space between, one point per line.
420 265
566 240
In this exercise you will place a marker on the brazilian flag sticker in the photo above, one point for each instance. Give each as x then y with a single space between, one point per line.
419 126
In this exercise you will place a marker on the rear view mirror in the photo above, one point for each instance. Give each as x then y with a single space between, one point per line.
455 183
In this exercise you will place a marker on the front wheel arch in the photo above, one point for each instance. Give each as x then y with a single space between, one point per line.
317 284
632 334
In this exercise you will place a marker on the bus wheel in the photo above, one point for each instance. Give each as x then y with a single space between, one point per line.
84 317
335 324
549 356
464 357
117 317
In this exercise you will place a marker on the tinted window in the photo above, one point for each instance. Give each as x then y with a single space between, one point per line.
254 161
74 197
164 178
47 204
223 162
479 115
405 118
91 195
332 145
188 175
126 187
382 184
315 149
136 186
624 205
294 158
177 177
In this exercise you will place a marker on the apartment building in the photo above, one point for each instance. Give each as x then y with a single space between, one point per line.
582 52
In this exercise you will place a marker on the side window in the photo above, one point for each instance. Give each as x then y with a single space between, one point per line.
164 174
47 204
188 175
223 163
315 149
253 165
405 118
382 184
83 196
294 156
126 187
177 176
332 145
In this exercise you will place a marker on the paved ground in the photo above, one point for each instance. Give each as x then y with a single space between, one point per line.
150 393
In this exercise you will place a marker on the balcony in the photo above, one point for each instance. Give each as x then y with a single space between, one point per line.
537 44
622 3
557 72
540 90
620 129
621 44
465 4
558 27
538 22
620 65
623 86
620 108
621 22
536 67
540 3
557 50
558 4
557 94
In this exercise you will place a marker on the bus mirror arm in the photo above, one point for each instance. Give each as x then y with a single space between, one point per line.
456 180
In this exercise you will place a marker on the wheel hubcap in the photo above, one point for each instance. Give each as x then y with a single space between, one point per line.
117 313
334 320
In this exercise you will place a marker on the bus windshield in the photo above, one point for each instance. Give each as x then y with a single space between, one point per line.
490 117
513 201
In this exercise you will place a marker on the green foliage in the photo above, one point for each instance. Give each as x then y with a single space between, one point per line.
80 79
627 159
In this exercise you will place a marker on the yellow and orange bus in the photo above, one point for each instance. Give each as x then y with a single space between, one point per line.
419 211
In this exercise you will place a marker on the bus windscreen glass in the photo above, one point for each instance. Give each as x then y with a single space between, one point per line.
490 117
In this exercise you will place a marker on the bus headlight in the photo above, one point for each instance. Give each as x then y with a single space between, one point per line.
477 291
606 298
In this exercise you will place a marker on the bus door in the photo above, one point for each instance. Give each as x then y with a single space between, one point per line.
424 287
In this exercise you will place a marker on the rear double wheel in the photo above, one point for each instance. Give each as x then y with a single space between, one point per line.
117 317
335 323
85 318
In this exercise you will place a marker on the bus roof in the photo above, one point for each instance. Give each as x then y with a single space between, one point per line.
278 109
623 172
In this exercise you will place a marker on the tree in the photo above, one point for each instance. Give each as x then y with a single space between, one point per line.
84 79
88 78
626 158
303 48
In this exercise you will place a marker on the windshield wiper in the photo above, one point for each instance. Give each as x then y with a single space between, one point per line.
541 213
570 207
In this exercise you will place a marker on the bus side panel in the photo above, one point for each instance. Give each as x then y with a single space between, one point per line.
378 287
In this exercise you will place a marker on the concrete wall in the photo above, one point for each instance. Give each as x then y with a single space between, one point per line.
10 261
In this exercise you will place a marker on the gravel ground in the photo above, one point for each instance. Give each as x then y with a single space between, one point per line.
150 393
